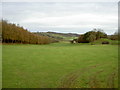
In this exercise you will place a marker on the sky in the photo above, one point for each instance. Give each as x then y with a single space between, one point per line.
65 17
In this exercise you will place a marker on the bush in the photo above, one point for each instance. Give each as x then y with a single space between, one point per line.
105 42
81 39
114 37
74 41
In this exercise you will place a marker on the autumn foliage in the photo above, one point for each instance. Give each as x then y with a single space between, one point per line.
12 33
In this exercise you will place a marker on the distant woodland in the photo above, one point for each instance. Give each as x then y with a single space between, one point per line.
95 35
12 33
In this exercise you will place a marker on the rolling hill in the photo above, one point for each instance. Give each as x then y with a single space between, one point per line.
59 36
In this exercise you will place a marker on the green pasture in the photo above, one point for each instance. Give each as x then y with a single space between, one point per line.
59 65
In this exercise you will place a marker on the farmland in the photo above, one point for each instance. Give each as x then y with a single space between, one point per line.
60 65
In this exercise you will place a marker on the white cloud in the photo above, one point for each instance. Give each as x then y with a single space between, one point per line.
60 0
63 17
71 19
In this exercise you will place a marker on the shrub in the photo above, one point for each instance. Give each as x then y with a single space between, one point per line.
81 39
74 41
105 42
114 37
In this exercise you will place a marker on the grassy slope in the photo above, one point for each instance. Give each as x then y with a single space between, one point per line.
56 65
113 42
57 35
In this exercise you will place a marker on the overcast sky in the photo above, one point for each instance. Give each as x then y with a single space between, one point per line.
66 17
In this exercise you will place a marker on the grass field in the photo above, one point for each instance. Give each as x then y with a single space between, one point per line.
60 65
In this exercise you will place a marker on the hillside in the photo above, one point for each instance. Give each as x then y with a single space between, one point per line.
112 42
59 36
12 33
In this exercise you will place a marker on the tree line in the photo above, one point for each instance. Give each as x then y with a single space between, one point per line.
115 36
12 33
93 35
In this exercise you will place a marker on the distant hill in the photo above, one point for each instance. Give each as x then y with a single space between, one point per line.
59 36
65 34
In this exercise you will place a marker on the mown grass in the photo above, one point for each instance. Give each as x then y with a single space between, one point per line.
60 65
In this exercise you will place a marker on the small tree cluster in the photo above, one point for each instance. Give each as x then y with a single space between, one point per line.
115 36
12 33
91 36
